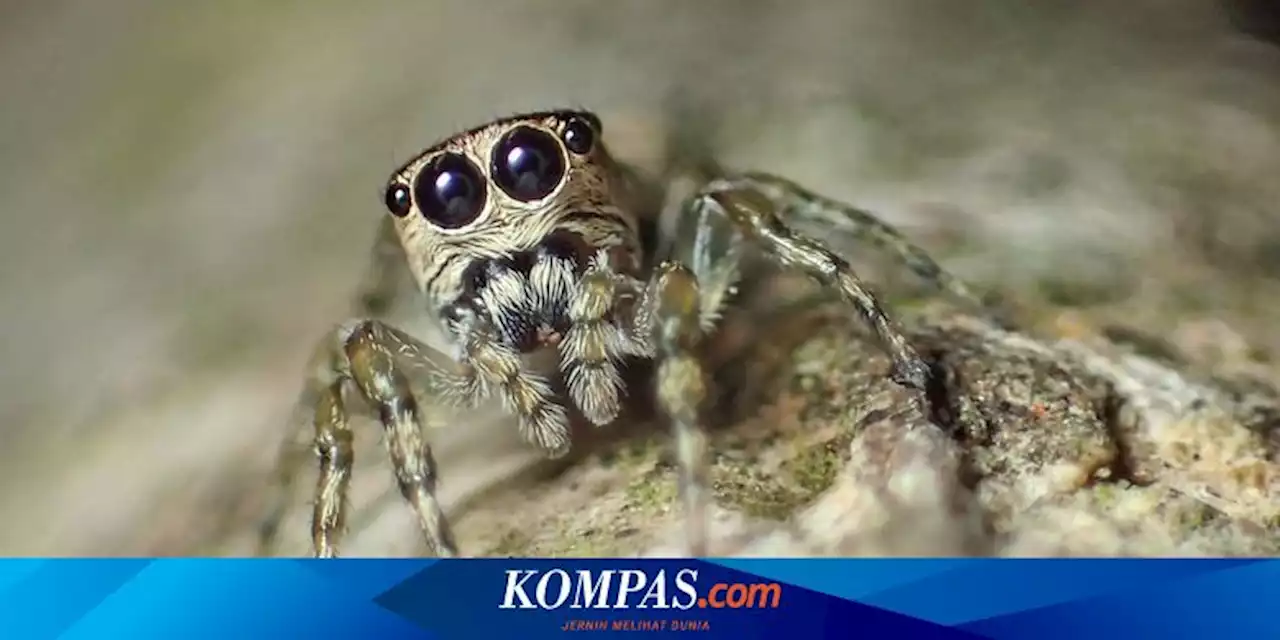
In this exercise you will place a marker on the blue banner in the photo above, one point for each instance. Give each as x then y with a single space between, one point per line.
740 599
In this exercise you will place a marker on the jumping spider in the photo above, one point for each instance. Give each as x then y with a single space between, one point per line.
524 236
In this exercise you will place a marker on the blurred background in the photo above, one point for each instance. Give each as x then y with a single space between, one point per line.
188 191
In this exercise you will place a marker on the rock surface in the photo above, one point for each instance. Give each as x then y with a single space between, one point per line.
1021 447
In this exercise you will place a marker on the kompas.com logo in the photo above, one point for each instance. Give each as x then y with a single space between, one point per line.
614 589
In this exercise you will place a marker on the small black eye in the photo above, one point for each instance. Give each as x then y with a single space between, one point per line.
527 163
449 191
579 136
397 199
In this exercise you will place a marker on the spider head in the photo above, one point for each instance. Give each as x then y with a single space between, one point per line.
507 216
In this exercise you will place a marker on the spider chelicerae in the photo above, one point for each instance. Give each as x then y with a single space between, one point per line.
525 237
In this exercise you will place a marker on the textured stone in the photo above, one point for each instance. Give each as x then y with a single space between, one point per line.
1022 446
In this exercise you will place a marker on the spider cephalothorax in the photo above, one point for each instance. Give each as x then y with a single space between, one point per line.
525 238
510 197
516 228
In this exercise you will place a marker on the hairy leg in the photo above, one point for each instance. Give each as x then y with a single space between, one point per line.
803 206
490 367
593 347
754 211
675 304
322 405
691 145
372 357
380 361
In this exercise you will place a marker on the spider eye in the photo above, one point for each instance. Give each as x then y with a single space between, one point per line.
528 163
449 191
579 136
397 200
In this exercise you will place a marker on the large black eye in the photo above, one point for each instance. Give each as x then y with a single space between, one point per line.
449 191
579 136
527 163
397 199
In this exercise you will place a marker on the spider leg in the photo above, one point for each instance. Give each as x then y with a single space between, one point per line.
379 361
322 406
373 357
810 209
674 305
596 342
754 209
492 367
704 241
